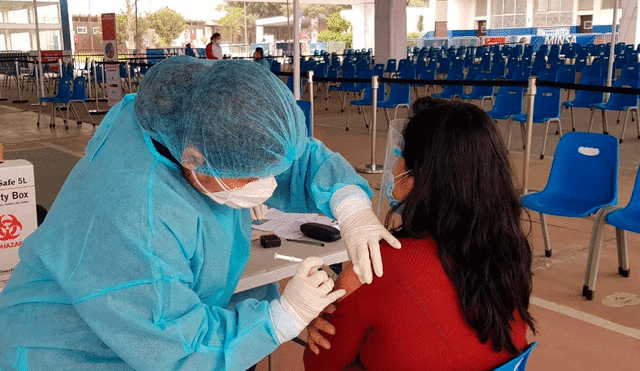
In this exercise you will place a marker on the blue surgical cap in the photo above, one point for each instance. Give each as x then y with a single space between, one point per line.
241 117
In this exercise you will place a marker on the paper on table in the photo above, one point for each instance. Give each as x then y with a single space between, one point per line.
287 225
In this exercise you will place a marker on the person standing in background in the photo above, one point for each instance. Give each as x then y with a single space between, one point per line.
214 51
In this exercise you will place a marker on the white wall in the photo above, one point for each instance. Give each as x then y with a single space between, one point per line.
362 18
428 23
461 15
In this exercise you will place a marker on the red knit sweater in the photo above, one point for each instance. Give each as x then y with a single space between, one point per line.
408 319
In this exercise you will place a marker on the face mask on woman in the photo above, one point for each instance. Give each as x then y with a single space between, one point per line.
251 194
390 186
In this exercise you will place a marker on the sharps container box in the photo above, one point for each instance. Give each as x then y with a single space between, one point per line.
17 212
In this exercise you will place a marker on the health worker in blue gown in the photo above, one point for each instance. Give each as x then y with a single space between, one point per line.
135 265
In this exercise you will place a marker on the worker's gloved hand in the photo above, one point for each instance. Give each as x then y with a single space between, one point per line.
304 297
361 231
259 212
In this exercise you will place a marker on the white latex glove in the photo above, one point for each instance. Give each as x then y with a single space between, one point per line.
258 212
361 231
309 292
304 297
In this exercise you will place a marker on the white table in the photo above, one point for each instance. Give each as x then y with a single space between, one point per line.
262 268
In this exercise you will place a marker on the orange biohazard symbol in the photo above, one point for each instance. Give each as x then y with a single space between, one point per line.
10 227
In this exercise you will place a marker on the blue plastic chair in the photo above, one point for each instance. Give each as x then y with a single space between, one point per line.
79 94
585 98
546 109
508 103
518 363
399 96
391 67
452 91
623 219
566 74
583 179
481 92
357 88
619 102
63 97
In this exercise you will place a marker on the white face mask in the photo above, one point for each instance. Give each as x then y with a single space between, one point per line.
251 194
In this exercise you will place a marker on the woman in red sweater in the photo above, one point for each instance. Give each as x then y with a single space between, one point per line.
456 296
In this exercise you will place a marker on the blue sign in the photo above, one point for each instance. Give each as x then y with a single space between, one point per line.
585 39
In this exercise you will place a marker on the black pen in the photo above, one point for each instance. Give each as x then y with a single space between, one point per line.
314 243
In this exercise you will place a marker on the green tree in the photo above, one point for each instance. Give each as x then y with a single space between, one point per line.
337 31
414 35
168 24
322 11
420 23
338 24
258 10
232 23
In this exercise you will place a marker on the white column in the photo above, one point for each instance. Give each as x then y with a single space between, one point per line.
391 30
629 25
259 34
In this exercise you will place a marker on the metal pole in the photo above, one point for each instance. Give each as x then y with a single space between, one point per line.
310 77
19 100
35 14
373 168
90 26
95 82
612 53
531 94
126 65
296 49
136 37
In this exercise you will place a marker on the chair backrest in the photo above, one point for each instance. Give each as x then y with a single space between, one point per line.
518 363
64 89
585 166
586 97
391 66
400 94
548 74
619 101
482 90
567 73
547 104
508 101
473 71
79 89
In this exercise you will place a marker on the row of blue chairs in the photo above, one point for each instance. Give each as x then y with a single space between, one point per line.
64 98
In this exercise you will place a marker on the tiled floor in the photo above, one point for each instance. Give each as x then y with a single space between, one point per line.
574 333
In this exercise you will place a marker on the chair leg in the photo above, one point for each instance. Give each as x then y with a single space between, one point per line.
348 119
560 127
635 109
619 114
509 131
39 113
605 123
52 123
544 142
545 236
364 115
386 114
593 260
573 122
624 127
623 258
593 112
89 113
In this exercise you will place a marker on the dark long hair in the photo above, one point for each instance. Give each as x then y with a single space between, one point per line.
463 196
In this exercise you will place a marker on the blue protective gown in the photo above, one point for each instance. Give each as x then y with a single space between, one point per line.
133 268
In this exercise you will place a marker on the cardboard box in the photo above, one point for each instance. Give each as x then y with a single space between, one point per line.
17 212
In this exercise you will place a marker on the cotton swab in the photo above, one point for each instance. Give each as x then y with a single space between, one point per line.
287 257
